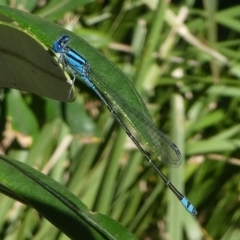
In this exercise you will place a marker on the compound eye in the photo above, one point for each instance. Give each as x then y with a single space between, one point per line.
57 47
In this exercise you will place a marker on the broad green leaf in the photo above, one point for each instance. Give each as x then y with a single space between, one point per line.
112 83
26 65
47 32
56 203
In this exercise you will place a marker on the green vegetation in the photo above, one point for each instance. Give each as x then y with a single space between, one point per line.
183 58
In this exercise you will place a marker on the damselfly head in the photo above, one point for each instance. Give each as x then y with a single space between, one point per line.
60 44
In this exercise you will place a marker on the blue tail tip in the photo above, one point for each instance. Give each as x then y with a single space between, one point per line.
190 208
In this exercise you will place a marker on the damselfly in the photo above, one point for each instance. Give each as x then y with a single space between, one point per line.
150 141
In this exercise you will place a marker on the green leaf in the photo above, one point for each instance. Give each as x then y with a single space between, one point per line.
112 83
78 120
210 146
101 65
19 114
56 203
25 64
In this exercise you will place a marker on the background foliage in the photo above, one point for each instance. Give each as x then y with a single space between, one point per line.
183 58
